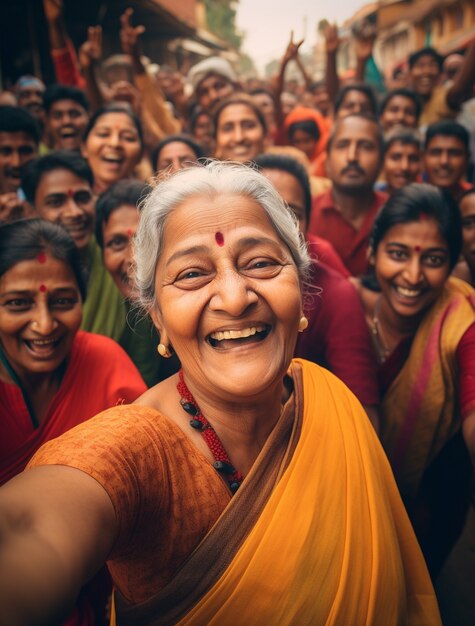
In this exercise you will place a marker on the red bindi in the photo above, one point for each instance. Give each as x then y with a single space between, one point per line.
43 288
219 238
41 257
417 248
70 193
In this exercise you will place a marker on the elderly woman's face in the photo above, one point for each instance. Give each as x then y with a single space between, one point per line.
228 295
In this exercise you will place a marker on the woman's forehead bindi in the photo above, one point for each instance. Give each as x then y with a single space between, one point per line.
43 288
219 238
41 257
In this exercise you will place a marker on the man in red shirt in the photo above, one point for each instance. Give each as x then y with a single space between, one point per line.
446 156
344 215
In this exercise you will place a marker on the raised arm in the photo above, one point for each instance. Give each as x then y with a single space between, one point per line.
90 54
291 53
363 51
332 43
65 61
57 526
56 29
462 87
156 115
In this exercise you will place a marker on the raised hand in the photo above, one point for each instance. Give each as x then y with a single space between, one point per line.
53 10
332 41
364 46
292 51
129 35
91 50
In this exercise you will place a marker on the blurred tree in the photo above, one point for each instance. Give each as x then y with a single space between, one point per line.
221 19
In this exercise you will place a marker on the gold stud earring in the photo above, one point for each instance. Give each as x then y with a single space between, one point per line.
303 324
163 351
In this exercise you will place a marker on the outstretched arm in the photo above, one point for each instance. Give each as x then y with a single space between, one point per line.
462 87
57 526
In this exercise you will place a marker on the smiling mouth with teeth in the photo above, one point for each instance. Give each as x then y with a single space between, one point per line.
408 293
42 347
251 334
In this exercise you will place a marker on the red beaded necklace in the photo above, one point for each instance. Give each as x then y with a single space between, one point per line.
222 462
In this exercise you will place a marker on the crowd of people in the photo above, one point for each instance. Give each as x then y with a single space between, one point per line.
236 328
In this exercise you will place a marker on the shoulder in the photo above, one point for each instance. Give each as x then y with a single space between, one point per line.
458 286
100 346
328 399
323 200
122 431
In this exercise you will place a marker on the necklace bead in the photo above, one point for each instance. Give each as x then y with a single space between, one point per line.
222 462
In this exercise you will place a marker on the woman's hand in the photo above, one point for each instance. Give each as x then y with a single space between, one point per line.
90 52
129 35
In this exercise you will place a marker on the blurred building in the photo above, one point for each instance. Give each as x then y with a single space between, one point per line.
404 26
175 32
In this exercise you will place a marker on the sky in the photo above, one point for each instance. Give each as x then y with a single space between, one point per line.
267 23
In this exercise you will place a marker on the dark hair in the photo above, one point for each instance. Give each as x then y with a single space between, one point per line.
129 191
262 91
397 71
16 120
406 136
178 138
447 128
290 165
405 93
114 108
57 92
409 203
363 116
362 88
24 239
196 113
35 169
239 98
317 84
428 51
307 126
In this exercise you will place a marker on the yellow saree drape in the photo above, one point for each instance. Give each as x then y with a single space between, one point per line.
419 411
333 545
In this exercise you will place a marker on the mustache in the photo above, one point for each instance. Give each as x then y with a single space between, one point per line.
353 168
12 172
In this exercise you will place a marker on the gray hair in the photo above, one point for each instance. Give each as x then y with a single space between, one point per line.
210 179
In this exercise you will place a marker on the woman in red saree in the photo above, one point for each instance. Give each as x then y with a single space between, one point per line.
423 325
52 376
